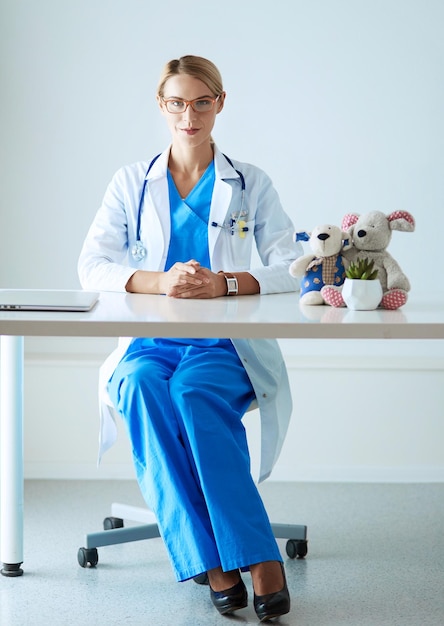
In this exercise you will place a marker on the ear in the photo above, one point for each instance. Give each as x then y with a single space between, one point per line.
348 220
401 220
221 101
160 103
301 236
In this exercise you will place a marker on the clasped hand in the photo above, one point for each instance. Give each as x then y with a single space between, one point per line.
191 280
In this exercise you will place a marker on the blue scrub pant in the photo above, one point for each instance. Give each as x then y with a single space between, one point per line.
183 406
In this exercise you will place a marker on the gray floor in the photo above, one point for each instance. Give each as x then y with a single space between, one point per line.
376 558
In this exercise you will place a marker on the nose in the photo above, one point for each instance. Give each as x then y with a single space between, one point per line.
188 115
323 236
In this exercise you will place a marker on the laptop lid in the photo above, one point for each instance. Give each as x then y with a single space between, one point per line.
47 300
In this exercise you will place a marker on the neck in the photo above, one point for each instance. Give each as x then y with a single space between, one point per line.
190 160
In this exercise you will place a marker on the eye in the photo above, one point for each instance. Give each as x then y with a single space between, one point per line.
204 104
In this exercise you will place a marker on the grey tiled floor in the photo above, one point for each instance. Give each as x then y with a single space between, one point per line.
376 558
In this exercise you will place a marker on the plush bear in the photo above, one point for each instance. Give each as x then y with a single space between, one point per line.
325 266
370 234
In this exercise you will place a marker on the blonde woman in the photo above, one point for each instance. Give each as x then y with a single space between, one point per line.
183 225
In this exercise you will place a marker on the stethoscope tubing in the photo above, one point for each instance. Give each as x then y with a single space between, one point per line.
142 196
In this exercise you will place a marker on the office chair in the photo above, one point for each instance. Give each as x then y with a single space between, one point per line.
114 532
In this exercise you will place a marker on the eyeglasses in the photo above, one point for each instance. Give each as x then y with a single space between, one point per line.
199 105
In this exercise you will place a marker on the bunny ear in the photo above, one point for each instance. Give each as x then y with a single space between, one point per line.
301 236
401 220
348 220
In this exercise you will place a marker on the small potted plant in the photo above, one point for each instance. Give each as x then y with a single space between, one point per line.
362 289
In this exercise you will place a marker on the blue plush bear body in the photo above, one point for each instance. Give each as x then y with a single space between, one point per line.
323 271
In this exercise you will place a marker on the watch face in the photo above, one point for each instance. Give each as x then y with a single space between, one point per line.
232 285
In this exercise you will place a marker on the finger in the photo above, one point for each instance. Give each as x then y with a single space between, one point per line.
197 292
193 279
185 268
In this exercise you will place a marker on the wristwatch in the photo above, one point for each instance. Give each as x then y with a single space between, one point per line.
232 286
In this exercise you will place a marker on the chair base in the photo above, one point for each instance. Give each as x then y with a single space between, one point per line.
115 532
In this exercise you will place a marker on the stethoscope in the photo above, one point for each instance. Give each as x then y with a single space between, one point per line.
236 223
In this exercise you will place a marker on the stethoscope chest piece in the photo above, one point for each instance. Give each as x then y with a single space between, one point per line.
138 251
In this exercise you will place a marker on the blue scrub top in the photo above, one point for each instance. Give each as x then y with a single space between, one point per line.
189 221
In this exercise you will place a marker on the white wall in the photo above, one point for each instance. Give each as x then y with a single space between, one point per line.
340 101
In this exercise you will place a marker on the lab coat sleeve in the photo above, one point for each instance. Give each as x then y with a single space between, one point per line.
103 261
276 247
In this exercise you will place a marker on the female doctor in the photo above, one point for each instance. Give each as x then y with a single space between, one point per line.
183 225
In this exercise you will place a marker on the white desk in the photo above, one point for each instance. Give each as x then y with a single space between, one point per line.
120 314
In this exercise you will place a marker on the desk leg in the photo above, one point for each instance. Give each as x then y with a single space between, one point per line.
11 455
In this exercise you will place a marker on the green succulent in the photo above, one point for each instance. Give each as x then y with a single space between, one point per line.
362 269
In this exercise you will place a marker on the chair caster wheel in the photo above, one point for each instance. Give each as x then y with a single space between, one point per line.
87 556
112 522
296 548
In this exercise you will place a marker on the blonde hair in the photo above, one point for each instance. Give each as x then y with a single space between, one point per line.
195 66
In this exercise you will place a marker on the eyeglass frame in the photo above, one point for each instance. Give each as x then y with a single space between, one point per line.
190 103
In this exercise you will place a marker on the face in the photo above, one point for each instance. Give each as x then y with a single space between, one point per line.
189 127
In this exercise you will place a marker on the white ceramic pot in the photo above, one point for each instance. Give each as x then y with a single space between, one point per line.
362 295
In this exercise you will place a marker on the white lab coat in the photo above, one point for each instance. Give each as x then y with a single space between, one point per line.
106 264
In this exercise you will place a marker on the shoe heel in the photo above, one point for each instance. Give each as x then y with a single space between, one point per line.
230 600
272 605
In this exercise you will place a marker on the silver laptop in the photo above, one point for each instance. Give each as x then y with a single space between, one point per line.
47 300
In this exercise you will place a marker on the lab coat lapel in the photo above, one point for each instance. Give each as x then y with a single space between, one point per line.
222 197
157 221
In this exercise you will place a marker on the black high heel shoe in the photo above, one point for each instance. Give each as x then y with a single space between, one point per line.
272 605
231 599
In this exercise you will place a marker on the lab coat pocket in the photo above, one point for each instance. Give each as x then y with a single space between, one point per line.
240 242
